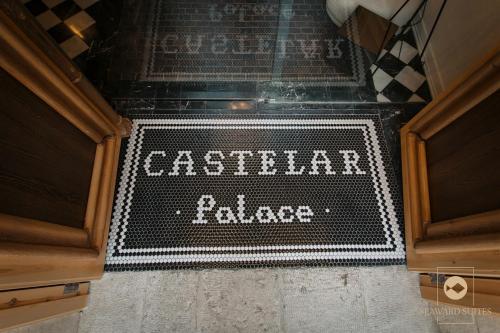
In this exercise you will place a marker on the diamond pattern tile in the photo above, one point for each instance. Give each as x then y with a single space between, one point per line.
400 76
67 21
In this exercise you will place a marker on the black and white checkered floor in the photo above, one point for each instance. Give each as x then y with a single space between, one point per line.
398 75
69 22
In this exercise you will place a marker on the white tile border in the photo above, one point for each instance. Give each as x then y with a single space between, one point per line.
158 255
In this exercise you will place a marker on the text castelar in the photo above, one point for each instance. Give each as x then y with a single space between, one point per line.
215 161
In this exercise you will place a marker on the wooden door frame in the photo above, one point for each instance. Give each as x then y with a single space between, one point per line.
453 243
40 253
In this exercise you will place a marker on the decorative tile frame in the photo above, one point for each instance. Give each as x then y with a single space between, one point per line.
358 79
392 249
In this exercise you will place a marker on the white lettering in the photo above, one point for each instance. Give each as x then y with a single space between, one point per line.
241 161
291 163
334 51
281 214
241 210
205 199
219 47
188 163
267 162
225 215
325 161
265 215
312 50
304 213
215 164
193 48
263 45
208 159
283 44
351 159
241 46
164 44
147 163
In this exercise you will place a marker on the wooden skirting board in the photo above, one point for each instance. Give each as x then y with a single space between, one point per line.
27 306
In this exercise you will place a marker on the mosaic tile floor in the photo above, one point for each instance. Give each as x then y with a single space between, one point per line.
282 49
269 40
234 50
248 191
260 82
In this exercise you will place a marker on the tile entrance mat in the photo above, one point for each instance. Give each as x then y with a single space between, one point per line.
255 191
220 40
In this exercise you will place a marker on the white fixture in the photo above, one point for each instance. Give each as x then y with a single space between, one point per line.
339 10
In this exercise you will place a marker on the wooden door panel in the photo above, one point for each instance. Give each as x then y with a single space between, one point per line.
36 304
59 146
59 149
451 177
46 162
463 163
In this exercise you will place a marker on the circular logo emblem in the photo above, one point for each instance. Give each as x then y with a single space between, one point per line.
455 288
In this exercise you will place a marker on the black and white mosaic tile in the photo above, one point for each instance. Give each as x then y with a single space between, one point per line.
276 50
246 191
254 40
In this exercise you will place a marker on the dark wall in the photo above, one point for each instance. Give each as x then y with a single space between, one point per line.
45 162
464 163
